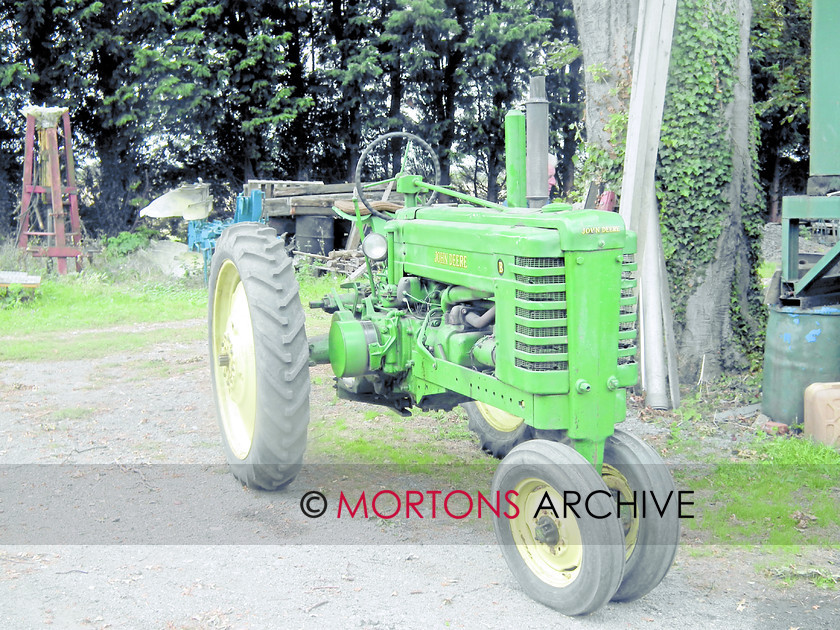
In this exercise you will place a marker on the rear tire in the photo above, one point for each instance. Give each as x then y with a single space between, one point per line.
497 430
259 356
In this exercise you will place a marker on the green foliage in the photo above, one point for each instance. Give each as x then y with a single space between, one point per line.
695 171
162 93
766 269
502 42
695 162
775 490
126 243
606 166
780 63
15 295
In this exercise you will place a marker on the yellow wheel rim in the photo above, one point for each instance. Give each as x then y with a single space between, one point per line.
498 419
618 485
234 359
549 544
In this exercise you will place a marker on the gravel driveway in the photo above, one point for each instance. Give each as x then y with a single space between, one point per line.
117 511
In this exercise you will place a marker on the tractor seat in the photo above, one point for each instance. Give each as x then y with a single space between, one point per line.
347 206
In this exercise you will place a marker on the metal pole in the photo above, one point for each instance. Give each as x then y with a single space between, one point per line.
515 160
537 144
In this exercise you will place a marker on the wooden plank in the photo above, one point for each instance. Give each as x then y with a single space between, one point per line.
284 188
314 189
638 201
8 278
310 205
353 238
257 184
316 200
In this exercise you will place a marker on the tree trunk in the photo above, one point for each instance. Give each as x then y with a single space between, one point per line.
718 297
565 161
708 341
607 30
775 191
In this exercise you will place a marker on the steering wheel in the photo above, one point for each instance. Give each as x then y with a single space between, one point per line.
414 161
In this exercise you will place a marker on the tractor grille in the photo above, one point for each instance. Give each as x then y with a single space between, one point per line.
539 279
537 366
627 333
541 334
560 348
529 314
538 263
550 296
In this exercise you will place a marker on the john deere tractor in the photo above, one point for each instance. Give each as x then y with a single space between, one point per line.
525 315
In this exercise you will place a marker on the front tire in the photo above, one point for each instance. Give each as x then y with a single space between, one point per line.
570 561
259 356
651 539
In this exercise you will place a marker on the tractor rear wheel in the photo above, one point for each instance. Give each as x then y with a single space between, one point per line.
556 542
631 470
259 357
498 431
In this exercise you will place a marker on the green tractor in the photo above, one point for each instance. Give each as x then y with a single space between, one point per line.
527 316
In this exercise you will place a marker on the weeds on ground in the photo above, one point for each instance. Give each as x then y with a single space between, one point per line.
16 295
119 290
750 487
774 491
126 243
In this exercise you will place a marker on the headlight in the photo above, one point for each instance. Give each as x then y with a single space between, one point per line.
375 246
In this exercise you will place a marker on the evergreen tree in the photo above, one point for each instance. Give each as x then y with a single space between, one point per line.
780 60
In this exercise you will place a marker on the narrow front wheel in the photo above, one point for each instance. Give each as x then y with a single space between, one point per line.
635 473
562 541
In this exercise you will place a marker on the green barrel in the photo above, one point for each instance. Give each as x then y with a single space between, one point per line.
802 347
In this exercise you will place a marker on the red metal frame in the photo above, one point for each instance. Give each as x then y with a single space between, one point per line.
57 241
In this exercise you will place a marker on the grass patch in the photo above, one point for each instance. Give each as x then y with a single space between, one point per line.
72 413
766 269
443 450
312 289
89 302
776 491
92 344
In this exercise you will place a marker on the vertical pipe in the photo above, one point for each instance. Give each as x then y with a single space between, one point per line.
515 158
537 144
653 331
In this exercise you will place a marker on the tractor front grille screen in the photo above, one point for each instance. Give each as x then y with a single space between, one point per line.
560 348
540 314
559 313
627 313
541 333
534 366
549 296
523 279
538 263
